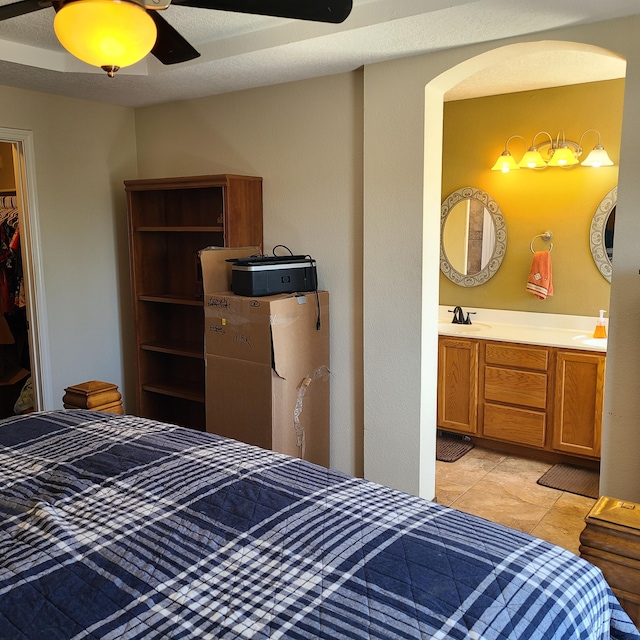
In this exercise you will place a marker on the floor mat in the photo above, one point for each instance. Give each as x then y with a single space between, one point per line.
450 448
564 477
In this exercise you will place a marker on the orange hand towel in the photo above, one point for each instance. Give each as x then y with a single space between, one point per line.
540 281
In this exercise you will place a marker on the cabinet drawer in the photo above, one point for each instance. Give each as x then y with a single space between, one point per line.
521 426
516 387
520 356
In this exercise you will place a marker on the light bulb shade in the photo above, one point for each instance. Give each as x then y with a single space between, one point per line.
532 160
563 157
105 33
505 163
598 158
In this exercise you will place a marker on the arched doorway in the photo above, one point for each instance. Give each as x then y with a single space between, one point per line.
490 66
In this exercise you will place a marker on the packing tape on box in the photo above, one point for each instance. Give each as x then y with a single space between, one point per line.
320 373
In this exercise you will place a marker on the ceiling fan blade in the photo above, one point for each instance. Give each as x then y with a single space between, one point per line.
21 8
170 46
334 11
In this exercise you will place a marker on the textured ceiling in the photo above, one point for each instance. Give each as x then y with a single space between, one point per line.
240 51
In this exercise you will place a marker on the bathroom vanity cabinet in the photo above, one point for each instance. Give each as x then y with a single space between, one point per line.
533 397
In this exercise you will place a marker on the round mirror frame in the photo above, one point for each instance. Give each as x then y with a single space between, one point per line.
596 233
494 263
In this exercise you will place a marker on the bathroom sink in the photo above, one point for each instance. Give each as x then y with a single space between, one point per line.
449 327
590 340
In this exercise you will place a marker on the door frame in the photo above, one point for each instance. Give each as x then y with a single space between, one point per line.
39 351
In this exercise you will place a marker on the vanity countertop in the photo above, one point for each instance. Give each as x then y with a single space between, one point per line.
553 330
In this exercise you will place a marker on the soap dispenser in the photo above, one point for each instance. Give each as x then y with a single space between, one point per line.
601 329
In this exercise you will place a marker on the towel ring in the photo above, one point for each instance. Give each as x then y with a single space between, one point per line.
547 235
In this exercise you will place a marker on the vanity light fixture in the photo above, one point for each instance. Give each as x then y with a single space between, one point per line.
109 34
597 157
505 161
564 154
533 159
553 153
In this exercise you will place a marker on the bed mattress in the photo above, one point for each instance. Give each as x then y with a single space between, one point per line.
121 527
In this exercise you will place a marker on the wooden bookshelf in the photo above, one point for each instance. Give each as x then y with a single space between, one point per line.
170 221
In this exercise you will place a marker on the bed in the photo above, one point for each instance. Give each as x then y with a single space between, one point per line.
122 527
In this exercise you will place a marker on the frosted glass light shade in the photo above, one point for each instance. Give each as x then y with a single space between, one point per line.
597 158
563 157
105 33
532 160
505 163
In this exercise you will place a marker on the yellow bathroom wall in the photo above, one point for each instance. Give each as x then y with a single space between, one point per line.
562 201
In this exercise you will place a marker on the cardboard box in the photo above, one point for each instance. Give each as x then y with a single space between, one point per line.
216 271
267 371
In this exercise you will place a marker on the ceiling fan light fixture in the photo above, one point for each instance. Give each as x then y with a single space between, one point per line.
109 34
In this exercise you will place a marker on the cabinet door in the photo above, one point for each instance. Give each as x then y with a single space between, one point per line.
578 405
458 385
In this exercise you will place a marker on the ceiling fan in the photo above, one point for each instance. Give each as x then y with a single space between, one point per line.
112 34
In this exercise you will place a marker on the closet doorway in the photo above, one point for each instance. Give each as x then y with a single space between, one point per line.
23 387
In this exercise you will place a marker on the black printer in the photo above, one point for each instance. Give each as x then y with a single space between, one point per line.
269 275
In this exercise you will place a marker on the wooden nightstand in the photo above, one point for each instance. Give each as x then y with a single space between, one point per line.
611 541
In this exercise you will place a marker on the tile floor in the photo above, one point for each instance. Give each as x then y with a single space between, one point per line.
502 488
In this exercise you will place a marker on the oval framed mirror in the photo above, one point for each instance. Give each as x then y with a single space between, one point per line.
601 233
473 237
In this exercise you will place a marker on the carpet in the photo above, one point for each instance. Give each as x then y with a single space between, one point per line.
450 448
564 477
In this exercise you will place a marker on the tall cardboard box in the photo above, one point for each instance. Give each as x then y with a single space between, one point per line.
267 371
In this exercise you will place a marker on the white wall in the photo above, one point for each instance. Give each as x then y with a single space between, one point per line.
393 204
305 140
620 476
83 151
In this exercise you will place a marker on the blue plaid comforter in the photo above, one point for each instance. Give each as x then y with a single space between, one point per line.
120 527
